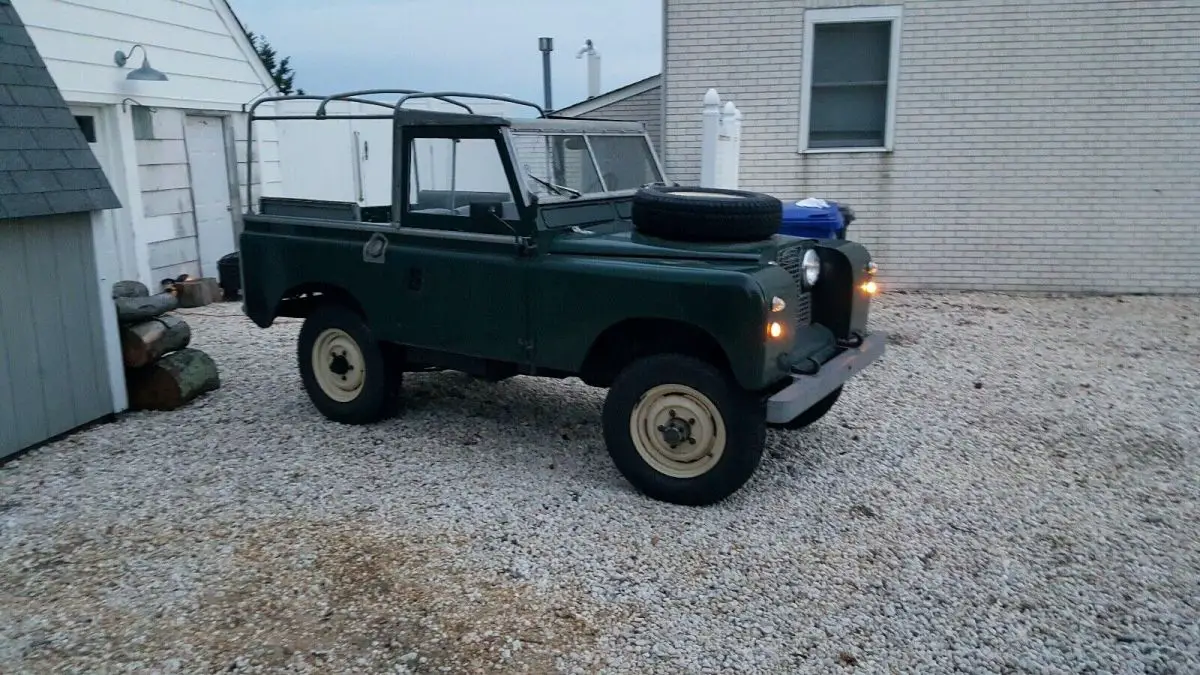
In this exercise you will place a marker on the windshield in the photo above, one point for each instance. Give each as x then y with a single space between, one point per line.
561 165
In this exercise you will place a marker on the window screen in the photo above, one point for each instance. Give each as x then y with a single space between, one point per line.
849 97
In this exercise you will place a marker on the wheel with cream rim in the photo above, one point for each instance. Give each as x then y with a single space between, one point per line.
344 368
700 214
682 431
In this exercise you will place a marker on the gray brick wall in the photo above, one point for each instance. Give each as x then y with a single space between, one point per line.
1038 146
644 107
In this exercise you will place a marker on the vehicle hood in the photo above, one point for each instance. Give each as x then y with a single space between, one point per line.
621 241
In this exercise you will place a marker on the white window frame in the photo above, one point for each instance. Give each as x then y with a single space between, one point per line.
813 17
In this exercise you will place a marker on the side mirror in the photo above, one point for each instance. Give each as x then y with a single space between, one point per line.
489 214
486 211
575 143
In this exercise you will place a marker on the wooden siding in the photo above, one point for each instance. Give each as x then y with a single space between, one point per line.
168 227
195 43
53 369
212 70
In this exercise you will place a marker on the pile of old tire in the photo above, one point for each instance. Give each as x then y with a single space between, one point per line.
700 214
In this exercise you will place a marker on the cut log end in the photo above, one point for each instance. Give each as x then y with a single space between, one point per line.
130 289
172 381
197 292
137 310
143 343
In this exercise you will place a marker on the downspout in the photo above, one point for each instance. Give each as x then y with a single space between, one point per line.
662 96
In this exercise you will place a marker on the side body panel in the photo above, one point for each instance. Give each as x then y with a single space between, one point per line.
429 289
574 299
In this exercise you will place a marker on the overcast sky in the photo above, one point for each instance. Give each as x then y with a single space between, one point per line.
476 45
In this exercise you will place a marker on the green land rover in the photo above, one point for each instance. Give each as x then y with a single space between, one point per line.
556 247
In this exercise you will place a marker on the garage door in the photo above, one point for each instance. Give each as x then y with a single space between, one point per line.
53 368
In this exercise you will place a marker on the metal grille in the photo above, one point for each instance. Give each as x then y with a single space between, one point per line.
803 310
791 260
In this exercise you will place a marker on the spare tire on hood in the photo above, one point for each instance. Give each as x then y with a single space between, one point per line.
705 214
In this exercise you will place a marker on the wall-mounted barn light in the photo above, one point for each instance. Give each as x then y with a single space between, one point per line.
143 73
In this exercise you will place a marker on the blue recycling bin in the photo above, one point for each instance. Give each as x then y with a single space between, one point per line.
812 219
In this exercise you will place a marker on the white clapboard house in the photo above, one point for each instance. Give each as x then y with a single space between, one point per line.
164 117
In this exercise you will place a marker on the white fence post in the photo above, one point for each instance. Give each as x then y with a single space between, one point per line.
728 148
735 149
708 143
721 143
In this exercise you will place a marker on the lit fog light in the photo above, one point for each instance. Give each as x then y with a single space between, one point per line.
775 330
870 287
812 267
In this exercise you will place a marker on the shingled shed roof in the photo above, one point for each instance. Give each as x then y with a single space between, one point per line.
46 166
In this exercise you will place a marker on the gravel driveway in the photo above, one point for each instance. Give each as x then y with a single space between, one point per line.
1014 489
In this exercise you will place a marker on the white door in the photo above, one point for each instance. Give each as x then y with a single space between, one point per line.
205 139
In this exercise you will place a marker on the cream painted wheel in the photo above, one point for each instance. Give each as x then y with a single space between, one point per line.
338 365
678 431
681 430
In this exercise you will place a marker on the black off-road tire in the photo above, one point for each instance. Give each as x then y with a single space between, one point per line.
700 214
816 412
741 414
379 393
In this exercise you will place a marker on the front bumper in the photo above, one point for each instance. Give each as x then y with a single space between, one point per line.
806 390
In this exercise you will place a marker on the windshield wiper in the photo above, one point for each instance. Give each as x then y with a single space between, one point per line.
559 189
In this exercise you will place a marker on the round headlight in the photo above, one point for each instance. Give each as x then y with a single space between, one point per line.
812 267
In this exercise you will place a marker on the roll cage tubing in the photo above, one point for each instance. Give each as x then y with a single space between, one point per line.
356 97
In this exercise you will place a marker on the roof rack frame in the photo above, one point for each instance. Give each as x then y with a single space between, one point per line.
376 92
442 95
356 97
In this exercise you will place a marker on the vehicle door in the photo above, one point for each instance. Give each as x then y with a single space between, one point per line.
460 268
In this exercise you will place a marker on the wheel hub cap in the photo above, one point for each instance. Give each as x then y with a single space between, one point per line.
678 431
338 365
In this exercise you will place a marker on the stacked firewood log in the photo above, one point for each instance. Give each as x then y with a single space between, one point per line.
161 371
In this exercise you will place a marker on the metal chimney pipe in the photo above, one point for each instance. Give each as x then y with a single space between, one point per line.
546 45
593 68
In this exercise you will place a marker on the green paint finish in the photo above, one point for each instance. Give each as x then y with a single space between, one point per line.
543 282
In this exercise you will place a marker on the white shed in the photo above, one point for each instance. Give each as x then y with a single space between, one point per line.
169 148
